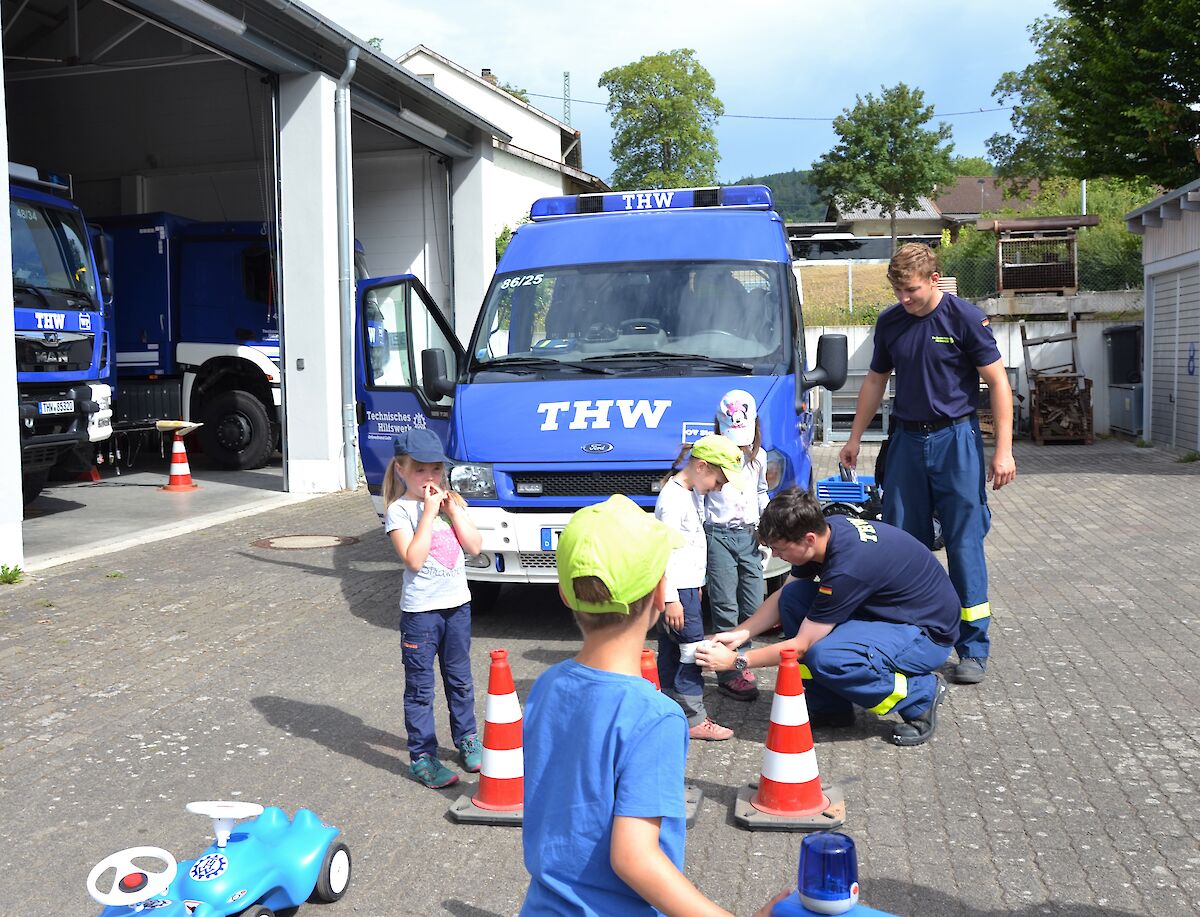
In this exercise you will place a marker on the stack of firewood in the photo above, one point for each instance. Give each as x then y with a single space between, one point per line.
1062 409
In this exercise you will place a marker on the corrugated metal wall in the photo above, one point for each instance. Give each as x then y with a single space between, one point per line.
1174 370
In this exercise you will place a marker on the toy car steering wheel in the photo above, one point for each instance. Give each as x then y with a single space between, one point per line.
132 884
225 814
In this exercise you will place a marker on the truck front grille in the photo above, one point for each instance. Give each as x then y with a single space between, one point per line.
538 560
54 352
635 483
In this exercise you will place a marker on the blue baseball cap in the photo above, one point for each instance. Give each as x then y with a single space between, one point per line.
421 444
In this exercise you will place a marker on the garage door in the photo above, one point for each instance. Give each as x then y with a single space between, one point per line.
1175 374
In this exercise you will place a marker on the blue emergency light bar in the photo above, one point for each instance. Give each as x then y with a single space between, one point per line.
29 175
745 197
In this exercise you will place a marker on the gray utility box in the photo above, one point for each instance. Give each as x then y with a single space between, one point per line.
1125 408
837 411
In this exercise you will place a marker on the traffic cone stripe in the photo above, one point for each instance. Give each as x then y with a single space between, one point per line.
789 768
503 736
791 740
504 764
503 708
789 710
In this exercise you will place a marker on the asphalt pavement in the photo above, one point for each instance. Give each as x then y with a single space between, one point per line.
205 666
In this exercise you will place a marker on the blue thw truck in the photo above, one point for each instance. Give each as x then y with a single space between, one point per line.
62 325
197 331
612 327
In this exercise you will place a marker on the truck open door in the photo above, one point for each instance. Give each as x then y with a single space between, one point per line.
395 320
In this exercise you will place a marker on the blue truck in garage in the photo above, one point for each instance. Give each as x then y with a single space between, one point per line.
613 325
62 322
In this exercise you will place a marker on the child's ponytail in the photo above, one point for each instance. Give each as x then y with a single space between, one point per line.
677 465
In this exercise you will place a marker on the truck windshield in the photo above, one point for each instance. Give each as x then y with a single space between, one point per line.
720 311
50 251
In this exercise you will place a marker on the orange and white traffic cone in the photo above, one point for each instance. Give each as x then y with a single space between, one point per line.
181 473
650 669
500 799
789 795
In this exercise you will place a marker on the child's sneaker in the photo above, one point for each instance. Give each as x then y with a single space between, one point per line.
433 773
708 731
470 752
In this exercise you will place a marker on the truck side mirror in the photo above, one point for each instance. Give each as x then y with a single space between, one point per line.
832 363
434 383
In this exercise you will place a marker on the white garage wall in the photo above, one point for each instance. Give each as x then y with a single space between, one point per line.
518 184
400 217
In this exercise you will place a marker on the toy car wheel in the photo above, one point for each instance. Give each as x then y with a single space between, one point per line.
258 911
335 874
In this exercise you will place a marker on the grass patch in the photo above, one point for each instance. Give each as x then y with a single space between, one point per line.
1142 444
114 574
1192 456
10 576
827 293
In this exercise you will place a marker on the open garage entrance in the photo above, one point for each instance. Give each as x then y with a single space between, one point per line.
183 108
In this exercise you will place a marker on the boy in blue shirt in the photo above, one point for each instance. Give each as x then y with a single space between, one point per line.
604 752
883 617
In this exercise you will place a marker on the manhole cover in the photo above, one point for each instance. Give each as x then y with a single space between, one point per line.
300 542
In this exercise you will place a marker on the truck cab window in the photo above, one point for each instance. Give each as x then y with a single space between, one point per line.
388 364
257 276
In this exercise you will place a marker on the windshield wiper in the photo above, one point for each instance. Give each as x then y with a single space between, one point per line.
536 363
675 358
30 288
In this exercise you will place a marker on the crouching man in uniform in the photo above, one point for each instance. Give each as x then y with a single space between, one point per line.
883 616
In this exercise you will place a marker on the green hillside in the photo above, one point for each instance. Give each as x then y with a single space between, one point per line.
795 199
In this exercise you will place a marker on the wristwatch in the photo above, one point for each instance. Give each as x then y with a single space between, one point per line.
741 663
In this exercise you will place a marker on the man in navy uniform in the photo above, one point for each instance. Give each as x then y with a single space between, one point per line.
871 633
940 346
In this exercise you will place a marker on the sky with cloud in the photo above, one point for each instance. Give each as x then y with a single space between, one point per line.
785 60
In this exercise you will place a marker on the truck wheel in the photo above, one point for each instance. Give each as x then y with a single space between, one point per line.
483 595
32 484
237 431
334 875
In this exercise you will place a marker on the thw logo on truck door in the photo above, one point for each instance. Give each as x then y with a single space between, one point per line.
594 415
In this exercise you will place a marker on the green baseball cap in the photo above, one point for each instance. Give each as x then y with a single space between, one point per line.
720 451
620 544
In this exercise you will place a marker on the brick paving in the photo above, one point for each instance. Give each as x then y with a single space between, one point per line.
204 667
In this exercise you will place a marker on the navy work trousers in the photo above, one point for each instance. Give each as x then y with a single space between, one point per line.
880 666
943 472
445 634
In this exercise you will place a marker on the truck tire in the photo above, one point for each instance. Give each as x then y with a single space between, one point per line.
237 431
32 484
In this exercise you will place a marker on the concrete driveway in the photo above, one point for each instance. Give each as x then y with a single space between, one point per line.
203 667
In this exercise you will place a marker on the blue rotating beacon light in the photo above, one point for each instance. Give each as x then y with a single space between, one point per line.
827 880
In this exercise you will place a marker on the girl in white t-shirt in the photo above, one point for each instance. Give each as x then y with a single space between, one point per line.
430 530
735 568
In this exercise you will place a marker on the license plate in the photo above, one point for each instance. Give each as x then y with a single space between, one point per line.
56 407
550 539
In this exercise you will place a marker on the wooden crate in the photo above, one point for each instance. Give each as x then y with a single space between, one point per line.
1061 410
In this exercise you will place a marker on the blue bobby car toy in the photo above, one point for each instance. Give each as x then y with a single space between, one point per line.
265 865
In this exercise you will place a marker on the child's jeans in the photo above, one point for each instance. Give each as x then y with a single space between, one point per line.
447 635
682 681
735 580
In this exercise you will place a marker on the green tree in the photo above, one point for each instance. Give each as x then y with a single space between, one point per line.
376 43
884 154
971 165
1115 91
795 197
664 108
515 91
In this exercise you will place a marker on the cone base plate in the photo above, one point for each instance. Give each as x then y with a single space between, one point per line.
179 488
692 796
832 816
466 812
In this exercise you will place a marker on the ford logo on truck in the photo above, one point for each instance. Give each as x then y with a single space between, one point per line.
597 448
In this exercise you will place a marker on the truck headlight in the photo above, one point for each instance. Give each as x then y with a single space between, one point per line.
776 466
473 481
